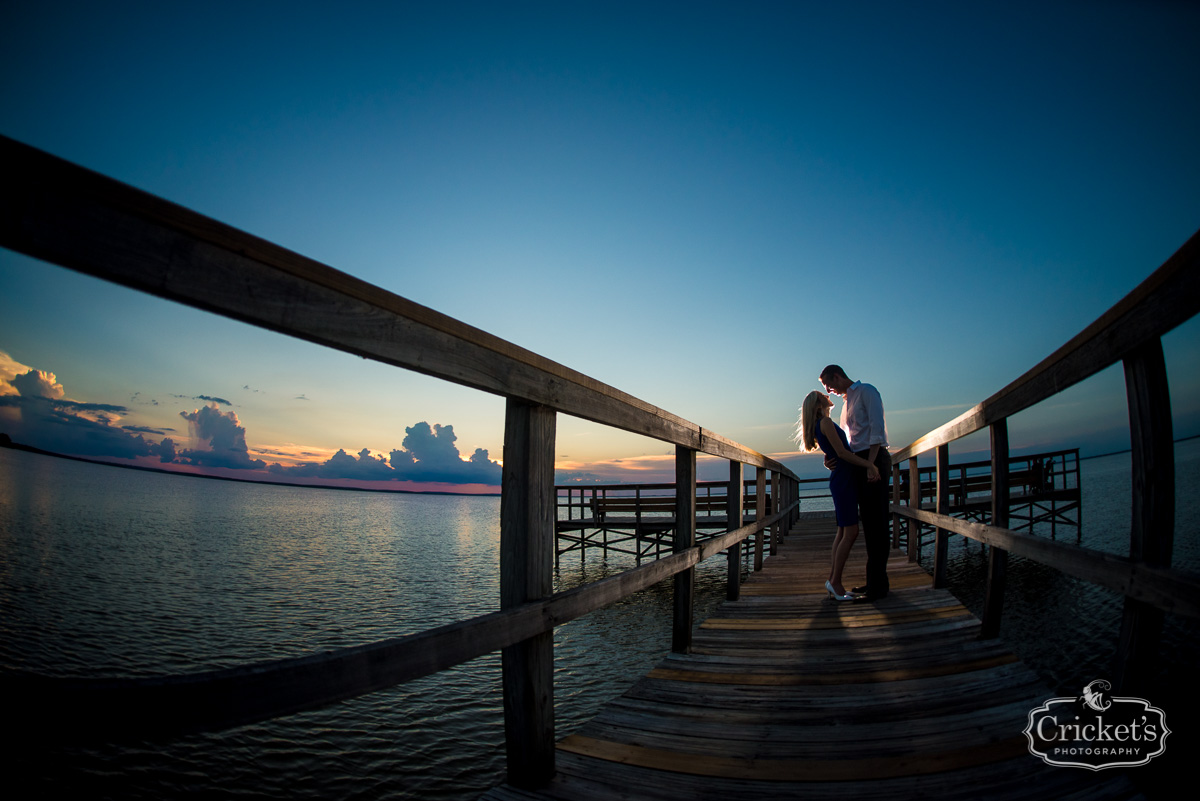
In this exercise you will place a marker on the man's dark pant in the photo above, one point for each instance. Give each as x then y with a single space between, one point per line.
873 519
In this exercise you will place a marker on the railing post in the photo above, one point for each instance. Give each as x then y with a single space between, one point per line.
1152 529
914 502
993 604
941 535
793 498
895 502
733 515
776 506
527 509
685 538
760 512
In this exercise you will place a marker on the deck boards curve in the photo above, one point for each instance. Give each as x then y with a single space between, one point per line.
787 694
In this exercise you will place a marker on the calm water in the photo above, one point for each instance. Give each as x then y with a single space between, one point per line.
107 572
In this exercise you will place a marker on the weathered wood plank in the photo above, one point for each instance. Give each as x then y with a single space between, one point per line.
791 769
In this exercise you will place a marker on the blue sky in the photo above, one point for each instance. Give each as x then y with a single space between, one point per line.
701 204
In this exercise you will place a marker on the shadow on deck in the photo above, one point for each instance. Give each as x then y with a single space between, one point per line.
787 694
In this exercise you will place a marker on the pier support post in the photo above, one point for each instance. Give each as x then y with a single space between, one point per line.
760 513
993 603
685 538
1152 532
527 511
895 502
942 536
733 515
914 502
776 505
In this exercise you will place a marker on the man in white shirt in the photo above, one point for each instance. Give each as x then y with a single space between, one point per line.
866 430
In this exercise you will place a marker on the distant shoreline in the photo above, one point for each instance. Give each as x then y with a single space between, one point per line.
1130 450
6 442
17 446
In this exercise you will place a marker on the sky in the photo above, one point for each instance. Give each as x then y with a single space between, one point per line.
701 204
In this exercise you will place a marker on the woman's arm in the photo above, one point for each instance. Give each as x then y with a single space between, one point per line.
830 431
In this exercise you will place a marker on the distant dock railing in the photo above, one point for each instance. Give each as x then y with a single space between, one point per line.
1044 491
639 519
64 214
1130 334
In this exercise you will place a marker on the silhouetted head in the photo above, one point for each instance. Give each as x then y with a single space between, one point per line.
835 380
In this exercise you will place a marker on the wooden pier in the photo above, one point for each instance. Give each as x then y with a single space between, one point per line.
788 694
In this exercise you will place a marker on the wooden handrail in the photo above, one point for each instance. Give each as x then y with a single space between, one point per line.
59 212
1169 297
1170 589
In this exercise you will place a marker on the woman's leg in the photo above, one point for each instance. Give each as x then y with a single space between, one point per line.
841 533
841 551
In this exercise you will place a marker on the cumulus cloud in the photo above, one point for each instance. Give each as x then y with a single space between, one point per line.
35 410
427 454
225 437
38 384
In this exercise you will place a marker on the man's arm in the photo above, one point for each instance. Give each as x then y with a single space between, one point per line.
876 430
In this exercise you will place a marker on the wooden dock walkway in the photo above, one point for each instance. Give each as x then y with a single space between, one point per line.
788 694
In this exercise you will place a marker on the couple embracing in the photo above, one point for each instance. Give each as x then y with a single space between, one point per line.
857 455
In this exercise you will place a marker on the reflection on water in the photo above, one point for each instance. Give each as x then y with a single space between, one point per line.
114 572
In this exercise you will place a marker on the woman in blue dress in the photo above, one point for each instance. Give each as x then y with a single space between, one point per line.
816 430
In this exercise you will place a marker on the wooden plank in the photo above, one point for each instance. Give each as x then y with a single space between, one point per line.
1020 779
813 770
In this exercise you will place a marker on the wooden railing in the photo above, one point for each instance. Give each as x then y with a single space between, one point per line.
641 519
61 213
1042 488
1130 333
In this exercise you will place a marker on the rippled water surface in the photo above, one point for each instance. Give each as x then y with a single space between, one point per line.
108 572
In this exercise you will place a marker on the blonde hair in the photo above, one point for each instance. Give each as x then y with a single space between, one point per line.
810 418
